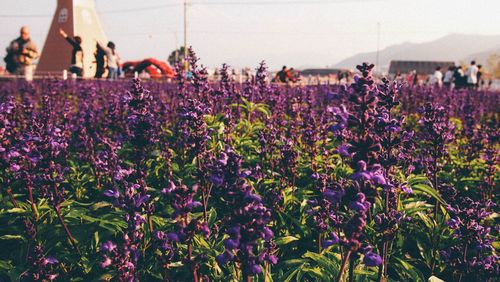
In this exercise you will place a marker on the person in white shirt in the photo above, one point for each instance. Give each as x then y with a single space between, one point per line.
472 74
111 58
437 77
448 77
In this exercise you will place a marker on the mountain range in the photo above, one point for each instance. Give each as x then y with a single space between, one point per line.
460 48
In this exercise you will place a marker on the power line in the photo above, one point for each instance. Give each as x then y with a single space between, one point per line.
201 3
25 16
149 8
118 11
288 2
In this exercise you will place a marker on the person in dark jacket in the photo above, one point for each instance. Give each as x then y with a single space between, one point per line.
20 55
459 78
76 54
281 76
479 76
100 62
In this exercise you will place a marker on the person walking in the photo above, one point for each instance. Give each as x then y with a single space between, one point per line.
111 58
76 54
472 75
20 55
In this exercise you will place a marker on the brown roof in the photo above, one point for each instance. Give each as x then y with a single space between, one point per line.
321 72
422 67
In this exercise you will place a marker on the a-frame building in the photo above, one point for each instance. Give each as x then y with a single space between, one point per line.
76 17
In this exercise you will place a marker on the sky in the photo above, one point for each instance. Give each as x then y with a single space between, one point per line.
299 33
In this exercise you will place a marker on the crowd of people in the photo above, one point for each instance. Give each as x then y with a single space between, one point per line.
454 77
22 52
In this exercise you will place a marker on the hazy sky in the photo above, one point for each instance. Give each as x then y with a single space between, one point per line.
244 32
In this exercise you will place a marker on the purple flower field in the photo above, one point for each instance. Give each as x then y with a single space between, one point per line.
195 181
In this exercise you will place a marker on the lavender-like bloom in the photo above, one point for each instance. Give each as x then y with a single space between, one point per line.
247 219
43 268
181 198
129 191
471 255
435 132
324 208
191 128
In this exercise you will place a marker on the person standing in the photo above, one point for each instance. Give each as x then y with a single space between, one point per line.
20 55
479 75
459 78
76 54
415 78
437 77
111 58
100 61
448 77
472 75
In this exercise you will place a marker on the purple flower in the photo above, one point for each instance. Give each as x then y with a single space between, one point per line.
224 258
333 239
255 269
406 189
334 196
231 244
50 260
141 199
112 193
360 204
267 234
372 259
172 236
105 262
343 150
169 188
108 246
14 167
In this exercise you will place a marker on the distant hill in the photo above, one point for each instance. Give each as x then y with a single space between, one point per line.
453 47
482 57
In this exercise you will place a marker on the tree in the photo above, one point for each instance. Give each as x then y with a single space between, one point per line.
494 65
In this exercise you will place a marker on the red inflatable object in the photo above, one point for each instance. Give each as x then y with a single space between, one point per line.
155 68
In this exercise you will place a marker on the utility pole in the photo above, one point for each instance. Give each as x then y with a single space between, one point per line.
378 47
185 36
176 47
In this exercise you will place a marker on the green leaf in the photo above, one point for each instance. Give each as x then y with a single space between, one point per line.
412 206
411 270
317 272
16 211
326 263
418 179
285 240
426 189
292 274
5 265
11 237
